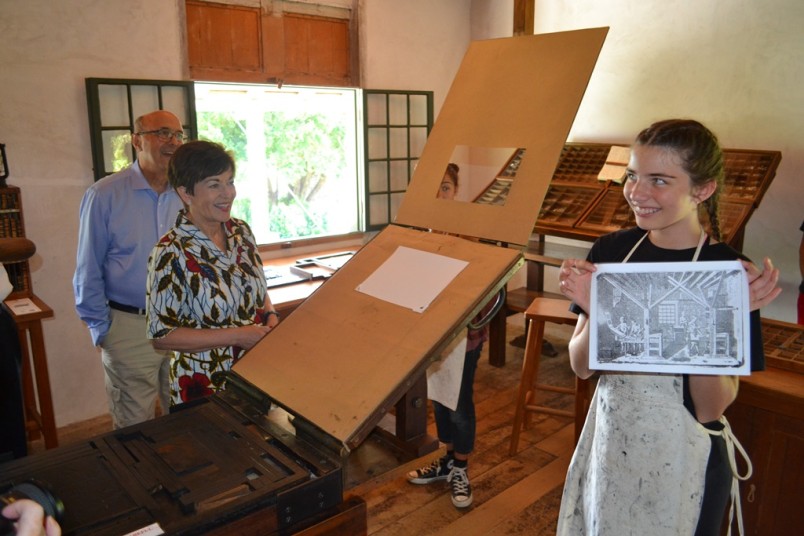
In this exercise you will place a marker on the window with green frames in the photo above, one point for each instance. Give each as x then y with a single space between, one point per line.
287 144
396 127
115 104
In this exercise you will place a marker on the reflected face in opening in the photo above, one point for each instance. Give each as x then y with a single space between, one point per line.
447 190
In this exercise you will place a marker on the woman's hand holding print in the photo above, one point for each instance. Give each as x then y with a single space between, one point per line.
762 285
575 281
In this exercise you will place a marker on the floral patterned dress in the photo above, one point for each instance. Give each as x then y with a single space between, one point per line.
193 284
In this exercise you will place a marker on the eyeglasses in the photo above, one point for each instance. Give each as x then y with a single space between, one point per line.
165 134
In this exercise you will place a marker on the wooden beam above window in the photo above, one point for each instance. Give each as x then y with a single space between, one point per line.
232 43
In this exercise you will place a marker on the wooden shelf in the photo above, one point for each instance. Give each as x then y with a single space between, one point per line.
784 345
578 205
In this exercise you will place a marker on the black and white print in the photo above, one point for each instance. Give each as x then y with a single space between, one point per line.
675 318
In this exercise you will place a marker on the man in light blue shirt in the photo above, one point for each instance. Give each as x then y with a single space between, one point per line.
122 216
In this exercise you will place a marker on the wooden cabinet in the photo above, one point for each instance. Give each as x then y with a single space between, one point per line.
37 400
768 419
233 43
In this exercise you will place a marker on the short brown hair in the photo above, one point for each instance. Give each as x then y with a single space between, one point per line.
195 161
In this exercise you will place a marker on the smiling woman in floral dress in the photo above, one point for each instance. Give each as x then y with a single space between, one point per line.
206 295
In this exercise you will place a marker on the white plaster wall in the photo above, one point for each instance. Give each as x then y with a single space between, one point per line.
47 48
491 19
416 44
419 44
735 65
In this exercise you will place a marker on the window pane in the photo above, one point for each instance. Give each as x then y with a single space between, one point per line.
376 110
174 98
378 177
418 109
398 106
378 209
396 200
399 143
110 111
113 104
418 137
295 148
399 175
116 150
144 99
377 143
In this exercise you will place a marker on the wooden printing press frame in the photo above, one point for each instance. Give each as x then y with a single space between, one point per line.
343 358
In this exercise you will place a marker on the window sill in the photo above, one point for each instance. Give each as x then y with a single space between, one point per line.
309 246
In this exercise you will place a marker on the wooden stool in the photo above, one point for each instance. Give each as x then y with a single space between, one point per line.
543 310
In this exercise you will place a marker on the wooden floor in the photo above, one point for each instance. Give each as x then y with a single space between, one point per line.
512 495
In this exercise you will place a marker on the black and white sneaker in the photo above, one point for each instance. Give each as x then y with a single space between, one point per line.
461 490
434 472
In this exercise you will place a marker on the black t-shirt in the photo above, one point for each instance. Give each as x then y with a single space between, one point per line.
614 247
801 285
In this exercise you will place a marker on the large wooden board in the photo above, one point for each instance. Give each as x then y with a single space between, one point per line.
519 92
343 358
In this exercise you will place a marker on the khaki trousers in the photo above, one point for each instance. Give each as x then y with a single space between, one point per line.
136 374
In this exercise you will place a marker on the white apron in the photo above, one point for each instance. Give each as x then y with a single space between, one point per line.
640 464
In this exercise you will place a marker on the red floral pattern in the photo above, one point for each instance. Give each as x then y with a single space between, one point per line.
192 283
194 387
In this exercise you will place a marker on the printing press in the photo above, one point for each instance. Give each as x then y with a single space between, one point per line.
306 412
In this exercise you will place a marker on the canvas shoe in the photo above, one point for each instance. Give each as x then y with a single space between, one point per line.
461 490
437 470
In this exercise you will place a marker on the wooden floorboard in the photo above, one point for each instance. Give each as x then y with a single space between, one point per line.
512 501
512 494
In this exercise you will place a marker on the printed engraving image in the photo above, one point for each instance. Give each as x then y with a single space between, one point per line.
670 318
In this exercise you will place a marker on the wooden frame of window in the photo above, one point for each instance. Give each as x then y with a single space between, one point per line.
395 129
114 105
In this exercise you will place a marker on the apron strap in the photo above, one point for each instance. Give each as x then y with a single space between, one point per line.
735 509
698 249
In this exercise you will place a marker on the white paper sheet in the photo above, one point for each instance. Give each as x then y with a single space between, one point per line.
444 376
412 278
22 306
